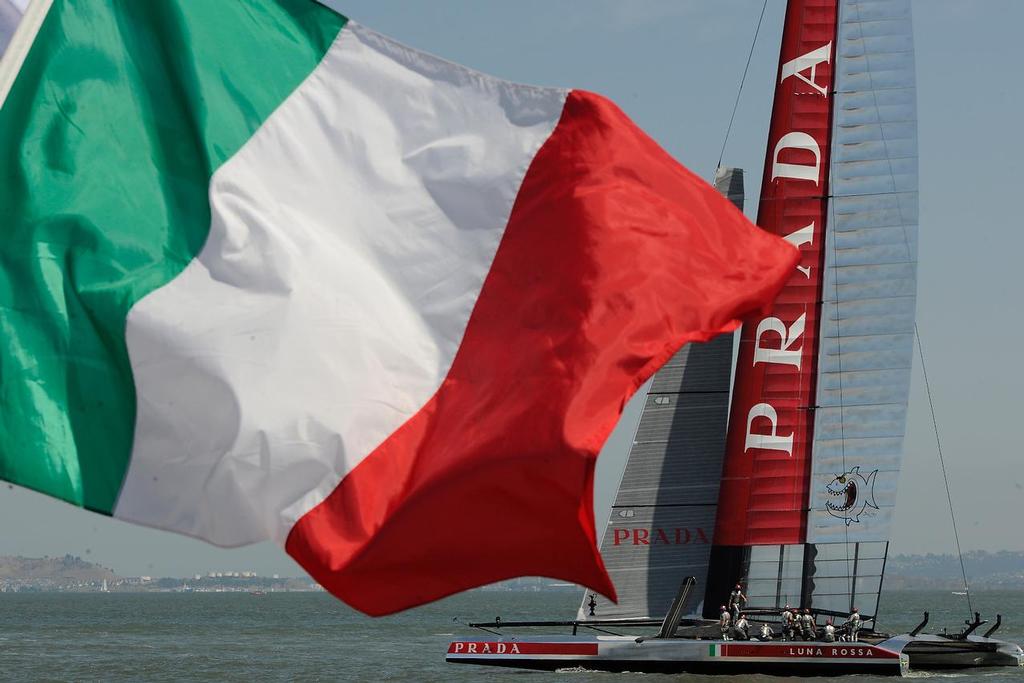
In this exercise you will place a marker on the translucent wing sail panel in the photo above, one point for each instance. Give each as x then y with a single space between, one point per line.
869 296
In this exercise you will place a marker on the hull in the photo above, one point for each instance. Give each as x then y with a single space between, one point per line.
938 653
678 655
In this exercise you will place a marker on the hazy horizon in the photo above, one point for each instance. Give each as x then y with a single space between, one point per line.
674 67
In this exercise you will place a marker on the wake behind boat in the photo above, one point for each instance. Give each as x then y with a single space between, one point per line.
785 494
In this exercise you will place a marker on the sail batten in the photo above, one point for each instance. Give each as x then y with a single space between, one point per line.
869 288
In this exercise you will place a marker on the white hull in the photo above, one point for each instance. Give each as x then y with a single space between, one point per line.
624 653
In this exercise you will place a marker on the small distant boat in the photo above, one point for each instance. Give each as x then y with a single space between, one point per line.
959 593
257 592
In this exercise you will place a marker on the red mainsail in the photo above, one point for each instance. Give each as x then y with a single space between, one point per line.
765 480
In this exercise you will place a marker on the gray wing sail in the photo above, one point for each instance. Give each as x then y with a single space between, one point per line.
868 307
663 516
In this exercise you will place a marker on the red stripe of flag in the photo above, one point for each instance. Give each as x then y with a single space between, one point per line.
613 258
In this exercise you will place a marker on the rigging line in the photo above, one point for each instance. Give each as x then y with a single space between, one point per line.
739 92
942 462
830 231
831 223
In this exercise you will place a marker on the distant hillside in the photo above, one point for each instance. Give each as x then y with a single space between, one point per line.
68 570
1002 569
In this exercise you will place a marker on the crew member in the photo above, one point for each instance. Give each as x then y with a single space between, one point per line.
766 632
788 620
737 600
830 632
724 619
742 629
853 625
807 626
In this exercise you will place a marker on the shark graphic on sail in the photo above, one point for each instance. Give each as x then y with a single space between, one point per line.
853 494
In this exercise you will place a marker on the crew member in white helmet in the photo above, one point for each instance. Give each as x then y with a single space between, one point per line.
807 626
788 619
853 625
742 629
724 621
766 632
737 600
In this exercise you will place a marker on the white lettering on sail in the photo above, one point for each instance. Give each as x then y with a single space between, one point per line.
772 441
811 60
783 354
798 238
797 140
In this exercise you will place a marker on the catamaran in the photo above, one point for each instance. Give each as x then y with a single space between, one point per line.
782 477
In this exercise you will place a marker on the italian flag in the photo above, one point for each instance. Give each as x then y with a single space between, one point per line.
268 274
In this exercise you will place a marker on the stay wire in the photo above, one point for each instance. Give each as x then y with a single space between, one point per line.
942 463
739 92
830 236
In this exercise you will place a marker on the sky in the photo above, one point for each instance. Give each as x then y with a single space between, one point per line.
674 67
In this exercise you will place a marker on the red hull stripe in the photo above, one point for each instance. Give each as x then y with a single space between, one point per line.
613 258
520 648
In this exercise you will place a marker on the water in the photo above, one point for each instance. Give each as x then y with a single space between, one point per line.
312 637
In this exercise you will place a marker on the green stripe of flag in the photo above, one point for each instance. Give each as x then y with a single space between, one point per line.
118 118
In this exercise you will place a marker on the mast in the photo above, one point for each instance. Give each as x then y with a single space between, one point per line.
822 381
662 519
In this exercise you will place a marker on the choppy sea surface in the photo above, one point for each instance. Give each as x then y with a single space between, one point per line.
313 637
